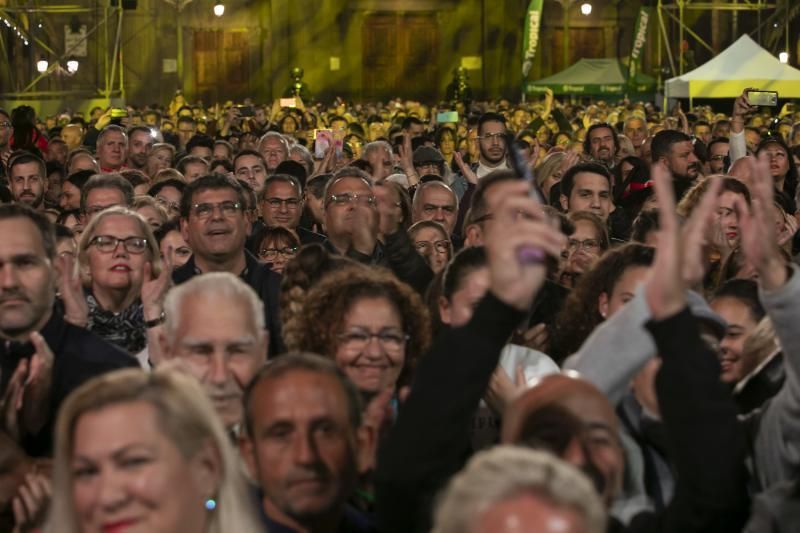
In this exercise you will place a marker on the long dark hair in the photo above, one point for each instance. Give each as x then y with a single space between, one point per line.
791 178
23 120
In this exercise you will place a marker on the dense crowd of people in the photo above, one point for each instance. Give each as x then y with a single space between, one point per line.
478 317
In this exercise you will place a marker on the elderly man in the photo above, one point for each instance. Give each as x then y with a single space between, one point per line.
214 225
112 148
305 445
72 135
215 326
436 201
41 352
274 148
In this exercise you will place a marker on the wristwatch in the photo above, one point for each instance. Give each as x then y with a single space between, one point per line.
149 324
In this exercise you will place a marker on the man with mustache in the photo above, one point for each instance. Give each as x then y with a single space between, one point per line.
214 224
27 179
602 144
676 151
305 445
491 143
43 357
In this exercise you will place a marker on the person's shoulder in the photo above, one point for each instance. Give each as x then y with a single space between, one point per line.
309 237
81 345
354 521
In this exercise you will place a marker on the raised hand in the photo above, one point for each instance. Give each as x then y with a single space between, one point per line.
695 235
759 240
154 289
365 229
502 390
519 224
71 290
466 171
31 502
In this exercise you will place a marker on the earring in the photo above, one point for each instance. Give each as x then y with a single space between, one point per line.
211 504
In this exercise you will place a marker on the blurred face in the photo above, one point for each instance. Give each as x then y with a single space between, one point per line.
601 144
217 236
69 197
376 130
778 160
57 151
219 343
140 144
388 201
741 325
222 152
703 132
169 198
438 204
636 131
82 162
447 144
174 249
752 138
527 512
623 291
682 162
434 246
549 181
128 476
590 192
372 345
27 279
380 158
28 185
339 216
101 198
202 151
583 247
153 217
112 150
250 169
491 143
118 269
158 160
717 154
194 171
282 205
457 311
186 130
276 252
274 152
727 218
301 447
5 131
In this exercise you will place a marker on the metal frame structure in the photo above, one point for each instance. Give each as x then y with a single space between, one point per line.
667 11
112 76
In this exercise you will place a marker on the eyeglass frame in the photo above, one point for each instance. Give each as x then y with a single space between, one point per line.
236 206
117 241
403 339
282 251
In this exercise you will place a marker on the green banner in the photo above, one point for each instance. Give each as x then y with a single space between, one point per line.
639 38
533 18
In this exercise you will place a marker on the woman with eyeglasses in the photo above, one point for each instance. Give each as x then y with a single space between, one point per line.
374 327
585 246
432 242
124 279
276 246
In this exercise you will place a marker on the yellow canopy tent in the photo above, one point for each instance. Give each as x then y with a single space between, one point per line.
743 64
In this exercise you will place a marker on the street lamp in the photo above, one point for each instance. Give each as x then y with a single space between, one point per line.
586 8
783 57
42 65
72 65
219 9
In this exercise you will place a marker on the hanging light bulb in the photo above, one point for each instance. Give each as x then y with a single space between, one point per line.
783 57
586 8
42 65
219 9
72 65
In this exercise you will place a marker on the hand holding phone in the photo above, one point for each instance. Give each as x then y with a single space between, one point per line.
763 98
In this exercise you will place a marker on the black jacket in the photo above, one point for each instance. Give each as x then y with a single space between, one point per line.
79 355
264 281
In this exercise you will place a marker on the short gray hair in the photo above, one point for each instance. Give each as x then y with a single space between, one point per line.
110 129
377 145
214 285
305 156
427 185
274 135
111 180
505 472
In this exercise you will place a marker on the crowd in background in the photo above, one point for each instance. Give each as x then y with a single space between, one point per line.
466 317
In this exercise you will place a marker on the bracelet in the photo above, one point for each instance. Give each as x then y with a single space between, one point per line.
149 324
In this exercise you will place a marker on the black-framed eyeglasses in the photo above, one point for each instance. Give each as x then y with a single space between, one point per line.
109 243
358 339
273 253
166 204
206 210
489 137
277 203
5 124
424 247
348 198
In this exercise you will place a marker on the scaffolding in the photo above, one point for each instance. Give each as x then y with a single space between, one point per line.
110 22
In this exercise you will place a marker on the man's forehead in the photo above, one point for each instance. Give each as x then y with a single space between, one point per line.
437 192
493 126
247 161
591 179
300 393
349 183
21 236
282 187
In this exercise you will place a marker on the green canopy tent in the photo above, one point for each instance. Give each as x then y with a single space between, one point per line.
594 77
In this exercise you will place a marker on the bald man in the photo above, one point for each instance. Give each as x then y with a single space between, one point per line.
72 134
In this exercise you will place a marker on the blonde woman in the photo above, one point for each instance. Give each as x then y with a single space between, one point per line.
121 266
145 452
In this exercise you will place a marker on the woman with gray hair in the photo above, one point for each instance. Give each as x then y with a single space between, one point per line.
531 490
146 452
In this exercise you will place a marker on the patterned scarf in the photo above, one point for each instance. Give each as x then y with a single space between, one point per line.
125 329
